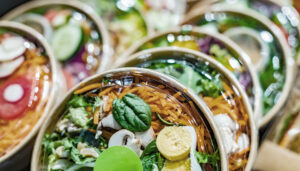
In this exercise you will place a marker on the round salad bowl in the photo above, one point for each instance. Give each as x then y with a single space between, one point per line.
88 49
214 45
259 32
125 22
21 124
186 66
137 81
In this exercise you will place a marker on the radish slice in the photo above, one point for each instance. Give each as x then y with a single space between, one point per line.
46 28
13 93
11 48
7 68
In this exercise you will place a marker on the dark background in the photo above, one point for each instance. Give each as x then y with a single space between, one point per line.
6 5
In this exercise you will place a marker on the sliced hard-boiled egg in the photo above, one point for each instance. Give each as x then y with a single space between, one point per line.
7 68
11 48
251 41
174 143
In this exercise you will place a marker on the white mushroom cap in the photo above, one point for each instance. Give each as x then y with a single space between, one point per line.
146 137
125 138
110 122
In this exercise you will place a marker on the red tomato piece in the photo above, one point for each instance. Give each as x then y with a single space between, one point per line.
12 110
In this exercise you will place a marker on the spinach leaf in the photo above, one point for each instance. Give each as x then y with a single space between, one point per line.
78 116
212 159
150 149
132 113
151 156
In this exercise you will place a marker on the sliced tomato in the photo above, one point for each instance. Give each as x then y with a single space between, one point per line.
12 110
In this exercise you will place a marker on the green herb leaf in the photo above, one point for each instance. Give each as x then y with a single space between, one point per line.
132 113
212 159
166 122
151 156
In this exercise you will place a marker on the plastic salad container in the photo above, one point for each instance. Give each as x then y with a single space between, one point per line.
162 123
78 38
29 83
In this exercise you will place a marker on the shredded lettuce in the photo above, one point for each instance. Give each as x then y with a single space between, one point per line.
204 158
79 116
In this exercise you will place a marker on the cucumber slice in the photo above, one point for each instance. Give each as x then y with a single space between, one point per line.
66 41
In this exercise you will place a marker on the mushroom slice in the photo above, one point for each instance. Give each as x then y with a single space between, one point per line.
89 152
125 138
61 152
146 137
110 122
195 166
7 68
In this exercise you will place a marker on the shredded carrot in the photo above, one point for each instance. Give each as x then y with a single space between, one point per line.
87 88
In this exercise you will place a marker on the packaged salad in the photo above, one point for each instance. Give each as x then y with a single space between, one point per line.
77 36
129 119
29 85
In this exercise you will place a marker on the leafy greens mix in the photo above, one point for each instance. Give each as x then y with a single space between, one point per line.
204 80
